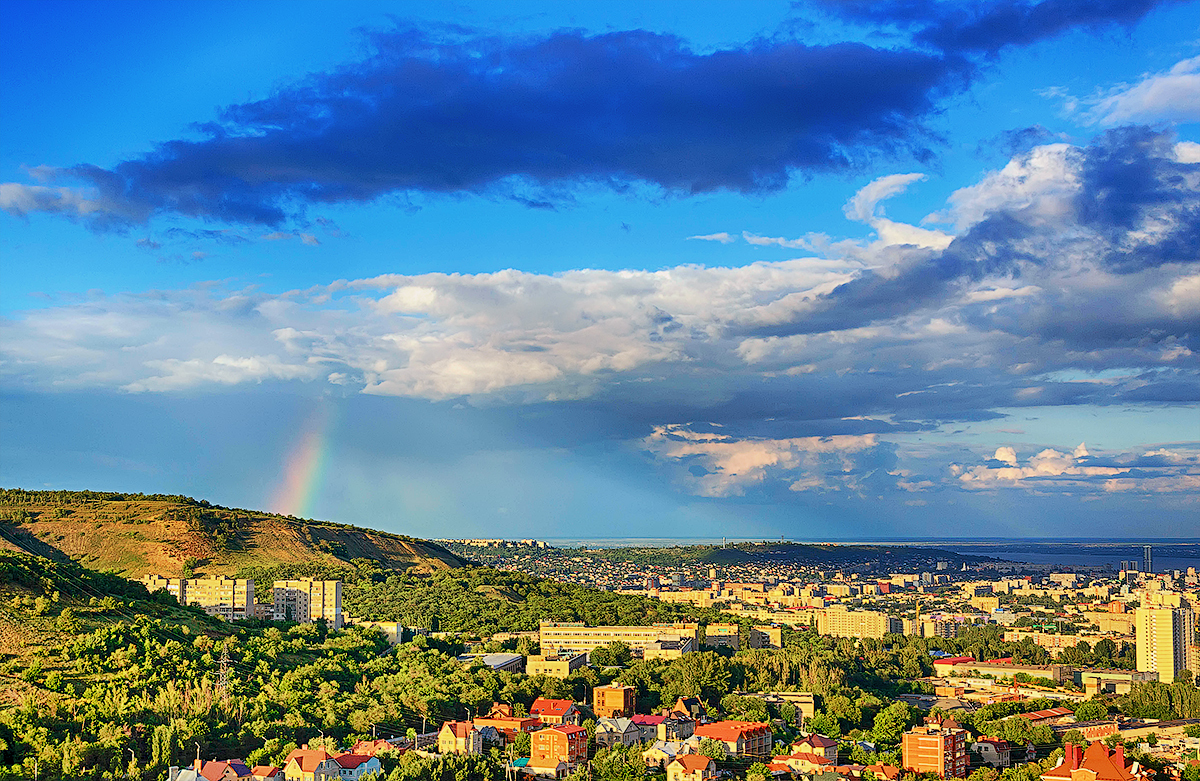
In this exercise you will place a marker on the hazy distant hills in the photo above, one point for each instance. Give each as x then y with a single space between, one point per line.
137 534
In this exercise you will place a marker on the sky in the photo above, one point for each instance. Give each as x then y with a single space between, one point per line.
818 269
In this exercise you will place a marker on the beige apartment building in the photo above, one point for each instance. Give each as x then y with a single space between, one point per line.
722 636
766 636
1165 640
557 637
176 587
837 621
560 666
307 600
222 596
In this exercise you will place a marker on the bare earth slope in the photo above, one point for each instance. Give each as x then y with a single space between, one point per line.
135 535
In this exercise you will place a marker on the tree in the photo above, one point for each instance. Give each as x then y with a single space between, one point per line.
713 749
1074 737
1090 711
523 744
984 774
757 772
891 722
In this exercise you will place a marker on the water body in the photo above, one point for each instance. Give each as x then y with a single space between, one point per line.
1168 554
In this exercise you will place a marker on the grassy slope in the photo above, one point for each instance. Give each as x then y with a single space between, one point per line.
137 535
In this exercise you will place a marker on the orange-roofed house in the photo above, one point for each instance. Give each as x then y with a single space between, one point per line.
1097 763
552 712
305 764
459 737
355 767
885 772
817 744
807 763
373 748
266 773
741 738
691 767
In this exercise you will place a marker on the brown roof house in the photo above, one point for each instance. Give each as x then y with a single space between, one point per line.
691 767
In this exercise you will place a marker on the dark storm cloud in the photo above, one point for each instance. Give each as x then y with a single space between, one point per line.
532 119
986 27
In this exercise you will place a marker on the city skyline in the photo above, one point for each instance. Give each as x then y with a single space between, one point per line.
809 269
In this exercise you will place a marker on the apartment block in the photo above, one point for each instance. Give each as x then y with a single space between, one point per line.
306 600
614 701
766 637
837 621
222 596
556 637
555 666
939 748
176 587
722 636
1165 640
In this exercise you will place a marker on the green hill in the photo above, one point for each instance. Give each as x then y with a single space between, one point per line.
139 534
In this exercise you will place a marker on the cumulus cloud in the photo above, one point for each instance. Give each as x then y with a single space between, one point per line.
1173 96
533 119
1054 471
714 464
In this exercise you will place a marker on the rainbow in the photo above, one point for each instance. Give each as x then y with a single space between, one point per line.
304 468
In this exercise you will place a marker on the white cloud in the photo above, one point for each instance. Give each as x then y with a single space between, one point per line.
863 207
1173 96
722 237
721 465
1053 471
1039 186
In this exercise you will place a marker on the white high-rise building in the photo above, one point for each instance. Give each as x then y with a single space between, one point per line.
1165 640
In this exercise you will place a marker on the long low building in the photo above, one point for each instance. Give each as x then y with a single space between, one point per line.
556 638
965 666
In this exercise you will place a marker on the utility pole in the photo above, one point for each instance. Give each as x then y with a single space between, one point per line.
132 763
223 677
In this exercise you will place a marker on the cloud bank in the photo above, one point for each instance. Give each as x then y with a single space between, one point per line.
1068 277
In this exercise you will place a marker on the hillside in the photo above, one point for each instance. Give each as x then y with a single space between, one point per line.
138 534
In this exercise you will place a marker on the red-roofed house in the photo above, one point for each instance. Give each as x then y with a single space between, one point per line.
1048 716
691 767
993 751
459 737
551 712
213 770
373 748
266 773
306 764
817 744
1095 764
741 738
953 660
357 766
648 724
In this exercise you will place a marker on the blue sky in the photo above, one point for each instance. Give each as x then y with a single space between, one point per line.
815 269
